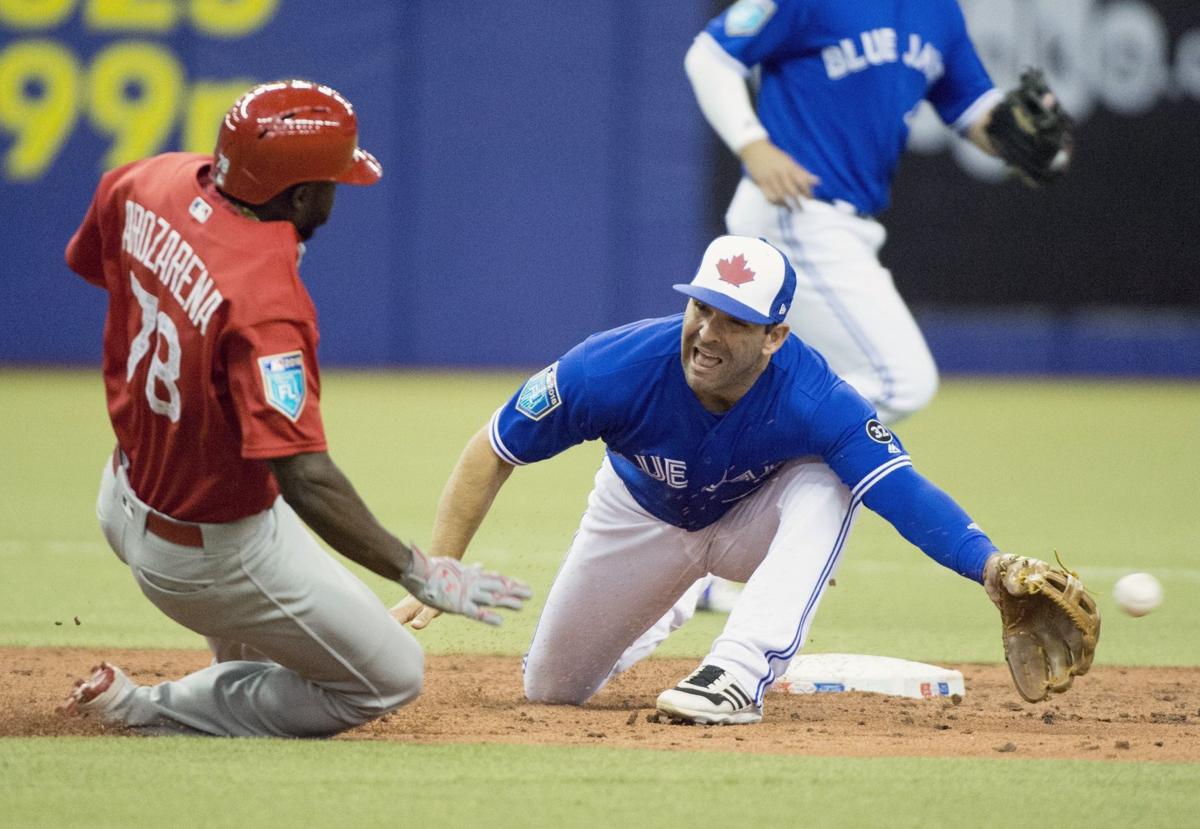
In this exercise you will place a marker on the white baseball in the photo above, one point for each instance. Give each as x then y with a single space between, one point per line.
1138 593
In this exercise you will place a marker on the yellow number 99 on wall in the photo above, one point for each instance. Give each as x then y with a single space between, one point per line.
134 92
39 102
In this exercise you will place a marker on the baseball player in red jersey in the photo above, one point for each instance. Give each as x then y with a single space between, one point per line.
210 371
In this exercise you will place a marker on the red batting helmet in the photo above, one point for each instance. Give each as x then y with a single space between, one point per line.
282 133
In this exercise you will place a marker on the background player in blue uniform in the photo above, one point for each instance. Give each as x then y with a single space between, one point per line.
838 85
731 449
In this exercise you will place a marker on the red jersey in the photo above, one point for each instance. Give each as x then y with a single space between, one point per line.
210 345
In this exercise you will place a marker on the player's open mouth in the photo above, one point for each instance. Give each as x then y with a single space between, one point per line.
702 360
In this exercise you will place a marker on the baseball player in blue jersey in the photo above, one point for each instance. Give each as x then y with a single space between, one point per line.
731 449
838 85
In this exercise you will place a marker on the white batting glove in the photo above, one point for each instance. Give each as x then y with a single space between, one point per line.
448 584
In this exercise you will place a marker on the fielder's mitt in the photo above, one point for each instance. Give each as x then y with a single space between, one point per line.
1051 624
1031 132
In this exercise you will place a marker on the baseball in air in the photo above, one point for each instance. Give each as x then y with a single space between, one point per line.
1138 593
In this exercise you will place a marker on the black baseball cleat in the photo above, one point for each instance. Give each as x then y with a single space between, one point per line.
710 696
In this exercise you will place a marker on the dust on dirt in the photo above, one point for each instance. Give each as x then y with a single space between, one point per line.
1113 713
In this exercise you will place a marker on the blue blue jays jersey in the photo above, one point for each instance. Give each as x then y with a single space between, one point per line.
841 79
682 463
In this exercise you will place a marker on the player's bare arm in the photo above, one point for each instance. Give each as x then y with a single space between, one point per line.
468 496
719 83
977 134
781 178
466 500
326 501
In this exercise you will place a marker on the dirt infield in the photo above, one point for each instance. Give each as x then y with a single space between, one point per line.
1121 714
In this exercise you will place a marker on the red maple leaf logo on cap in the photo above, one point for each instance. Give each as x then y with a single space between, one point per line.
735 271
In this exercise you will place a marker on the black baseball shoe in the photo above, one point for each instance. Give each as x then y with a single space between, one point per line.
710 696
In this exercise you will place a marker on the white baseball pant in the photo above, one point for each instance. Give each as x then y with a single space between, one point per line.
325 653
626 569
846 306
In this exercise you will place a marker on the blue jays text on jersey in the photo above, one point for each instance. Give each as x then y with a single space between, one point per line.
688 467
839 81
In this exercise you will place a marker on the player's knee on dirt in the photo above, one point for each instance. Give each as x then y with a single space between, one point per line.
405 680
397 681
555 694
560 685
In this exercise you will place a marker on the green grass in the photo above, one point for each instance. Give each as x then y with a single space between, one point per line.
1098 471
1102 472
282 783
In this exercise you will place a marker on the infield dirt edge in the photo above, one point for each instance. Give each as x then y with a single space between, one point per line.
1113 713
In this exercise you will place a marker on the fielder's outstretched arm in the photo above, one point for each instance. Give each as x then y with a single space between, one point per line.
932 521
466 499
871 461
468 496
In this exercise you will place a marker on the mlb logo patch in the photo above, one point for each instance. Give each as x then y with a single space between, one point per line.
539 396
200 210
284 382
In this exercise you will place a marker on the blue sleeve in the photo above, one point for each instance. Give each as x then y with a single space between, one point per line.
848 435
548 414
931 520
964 80
754 30
871 461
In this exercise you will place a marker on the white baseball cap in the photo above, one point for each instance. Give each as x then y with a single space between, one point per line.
749 279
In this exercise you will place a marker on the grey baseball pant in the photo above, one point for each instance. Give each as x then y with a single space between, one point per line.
327 656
